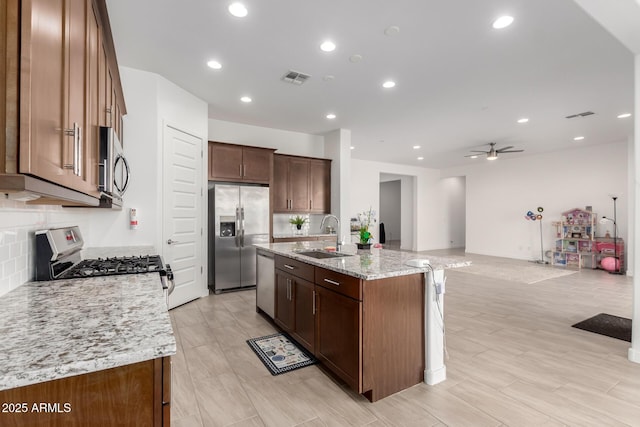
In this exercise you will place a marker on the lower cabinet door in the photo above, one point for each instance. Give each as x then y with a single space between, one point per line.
339 335
284 301
305 314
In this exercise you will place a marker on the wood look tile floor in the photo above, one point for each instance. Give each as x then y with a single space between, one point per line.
513 360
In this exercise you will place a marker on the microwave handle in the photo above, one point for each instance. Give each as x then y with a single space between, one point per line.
127 173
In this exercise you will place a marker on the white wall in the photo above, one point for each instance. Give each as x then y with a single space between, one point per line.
391 208
429 228
501 192
286 142
454 210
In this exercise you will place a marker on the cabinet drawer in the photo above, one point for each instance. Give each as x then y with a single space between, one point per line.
338 282
297 268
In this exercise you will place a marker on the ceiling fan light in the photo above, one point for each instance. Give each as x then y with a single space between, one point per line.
492 156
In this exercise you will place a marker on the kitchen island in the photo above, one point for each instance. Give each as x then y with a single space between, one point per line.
92 351
367 316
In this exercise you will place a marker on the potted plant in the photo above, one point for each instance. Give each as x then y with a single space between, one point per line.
367 219
298 221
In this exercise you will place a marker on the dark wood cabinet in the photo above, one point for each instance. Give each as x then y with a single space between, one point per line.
320 186
301 184
53 80
305 310
285 308
339 335
230 162
280 185
138 394
369 333
295 300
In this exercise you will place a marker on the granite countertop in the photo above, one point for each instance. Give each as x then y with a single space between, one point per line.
364 264
57 329
290 235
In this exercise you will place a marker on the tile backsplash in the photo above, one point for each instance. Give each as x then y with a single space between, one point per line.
18 223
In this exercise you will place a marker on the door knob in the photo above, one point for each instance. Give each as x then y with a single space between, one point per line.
170 242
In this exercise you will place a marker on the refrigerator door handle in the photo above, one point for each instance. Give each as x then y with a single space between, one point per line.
237 226
242 227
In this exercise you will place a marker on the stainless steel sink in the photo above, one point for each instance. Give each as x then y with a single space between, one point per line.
322 254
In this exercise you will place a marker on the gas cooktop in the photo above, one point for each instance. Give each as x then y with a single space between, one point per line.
115 265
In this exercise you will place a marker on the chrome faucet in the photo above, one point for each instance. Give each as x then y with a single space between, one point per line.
337 229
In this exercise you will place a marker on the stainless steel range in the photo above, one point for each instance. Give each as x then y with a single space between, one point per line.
58 257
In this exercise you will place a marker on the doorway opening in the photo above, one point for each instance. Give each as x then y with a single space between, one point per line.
397 209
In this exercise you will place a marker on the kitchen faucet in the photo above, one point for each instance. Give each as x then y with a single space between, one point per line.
337 229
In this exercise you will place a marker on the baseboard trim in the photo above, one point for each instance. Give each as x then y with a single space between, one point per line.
634 355
435 377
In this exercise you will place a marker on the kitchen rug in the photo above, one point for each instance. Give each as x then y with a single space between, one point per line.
607 324
280 354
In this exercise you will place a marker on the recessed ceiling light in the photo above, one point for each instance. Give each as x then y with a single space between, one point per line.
502 22
331 116
420 158
214 64
246 99
355 58
328 78
578 138
474 157
523 120
392 30
415 147
238 10
353 148
624 116
388 84
328 46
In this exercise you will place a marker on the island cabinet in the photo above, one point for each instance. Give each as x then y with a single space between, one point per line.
56 52
138 394
295 300
238 163
301 184
368 333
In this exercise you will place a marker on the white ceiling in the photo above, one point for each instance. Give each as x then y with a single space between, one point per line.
460 83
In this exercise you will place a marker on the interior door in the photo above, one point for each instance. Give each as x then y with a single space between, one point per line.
182 208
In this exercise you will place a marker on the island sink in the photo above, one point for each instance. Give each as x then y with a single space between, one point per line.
322 254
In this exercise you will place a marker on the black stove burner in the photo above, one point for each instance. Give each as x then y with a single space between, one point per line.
115 265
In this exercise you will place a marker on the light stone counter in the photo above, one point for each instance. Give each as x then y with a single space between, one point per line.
364 264
293 235
56 329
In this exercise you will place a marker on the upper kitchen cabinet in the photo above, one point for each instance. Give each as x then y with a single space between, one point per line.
57 54
238 163
301 184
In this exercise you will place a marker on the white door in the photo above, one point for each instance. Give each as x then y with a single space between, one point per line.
182 214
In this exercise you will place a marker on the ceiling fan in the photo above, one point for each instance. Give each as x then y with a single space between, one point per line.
492 154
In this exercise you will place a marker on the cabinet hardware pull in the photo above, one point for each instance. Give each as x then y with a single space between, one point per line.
244 171
78 160
310 204
290 267
240 166
314 303
332 282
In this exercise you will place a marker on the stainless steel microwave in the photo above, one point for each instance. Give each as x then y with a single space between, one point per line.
114 172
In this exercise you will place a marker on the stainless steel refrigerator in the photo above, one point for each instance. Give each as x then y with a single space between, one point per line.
238 218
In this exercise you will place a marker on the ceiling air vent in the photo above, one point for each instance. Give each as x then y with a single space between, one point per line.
295 77
585 114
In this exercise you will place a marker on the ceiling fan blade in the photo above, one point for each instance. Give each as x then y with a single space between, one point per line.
501 150
478 151
511 151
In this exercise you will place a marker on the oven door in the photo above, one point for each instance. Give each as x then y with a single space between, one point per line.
114 168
